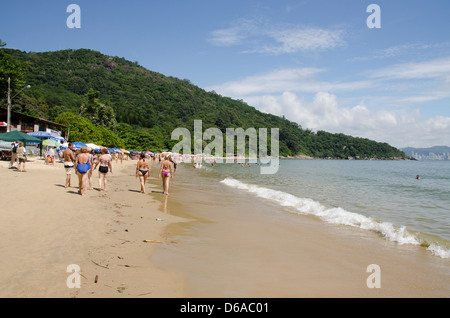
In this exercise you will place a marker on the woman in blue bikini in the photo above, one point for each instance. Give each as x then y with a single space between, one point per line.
166 172
83 164
143 171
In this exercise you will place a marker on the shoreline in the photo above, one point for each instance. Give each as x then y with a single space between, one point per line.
349 158
203 241
46 228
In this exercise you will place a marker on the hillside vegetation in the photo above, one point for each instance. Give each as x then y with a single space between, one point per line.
115 102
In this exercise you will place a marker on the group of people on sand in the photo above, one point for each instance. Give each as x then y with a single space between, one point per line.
84 164
86 161
166 171
18 153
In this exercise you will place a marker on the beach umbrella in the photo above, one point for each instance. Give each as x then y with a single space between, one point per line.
58 139
50 143
94 146
64 145
40 134
78 144
4 124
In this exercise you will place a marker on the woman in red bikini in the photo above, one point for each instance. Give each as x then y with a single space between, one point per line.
166 172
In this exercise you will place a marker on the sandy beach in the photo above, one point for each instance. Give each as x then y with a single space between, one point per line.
199 244
45 228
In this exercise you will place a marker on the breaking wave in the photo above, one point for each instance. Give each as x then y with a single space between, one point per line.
337 215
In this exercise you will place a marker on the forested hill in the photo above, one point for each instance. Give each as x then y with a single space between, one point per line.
147 106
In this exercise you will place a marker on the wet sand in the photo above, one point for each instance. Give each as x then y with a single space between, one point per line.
241 246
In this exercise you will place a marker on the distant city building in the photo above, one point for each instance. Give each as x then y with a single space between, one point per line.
431 156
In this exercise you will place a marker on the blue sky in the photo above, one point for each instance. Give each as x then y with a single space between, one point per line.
314 61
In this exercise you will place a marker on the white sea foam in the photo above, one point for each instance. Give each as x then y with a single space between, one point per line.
439 251
335 215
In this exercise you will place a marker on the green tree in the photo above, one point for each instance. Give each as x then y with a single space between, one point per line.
98 113
10 68
82 129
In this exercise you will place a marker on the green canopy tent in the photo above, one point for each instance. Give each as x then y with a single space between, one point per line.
20 136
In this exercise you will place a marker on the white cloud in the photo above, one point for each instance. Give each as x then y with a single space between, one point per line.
397 127
418 70
303 39
234 35
275 81
423 98
226 37
402 50
415 82
392 90
292 79
271 39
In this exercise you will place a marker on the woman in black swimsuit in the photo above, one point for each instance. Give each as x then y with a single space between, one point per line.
105 166
143 171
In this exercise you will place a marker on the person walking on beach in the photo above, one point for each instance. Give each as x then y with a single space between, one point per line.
166 172
93 160
83 164
14 147
143 171
69 162
21 156
105 167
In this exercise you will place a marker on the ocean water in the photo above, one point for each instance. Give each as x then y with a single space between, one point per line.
380 196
